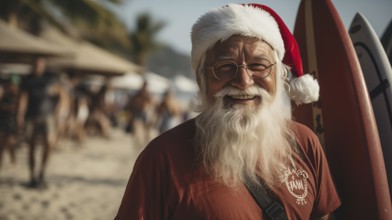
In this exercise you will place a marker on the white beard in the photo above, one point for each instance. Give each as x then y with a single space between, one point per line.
245 140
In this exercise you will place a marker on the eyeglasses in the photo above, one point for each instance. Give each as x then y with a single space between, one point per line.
228 69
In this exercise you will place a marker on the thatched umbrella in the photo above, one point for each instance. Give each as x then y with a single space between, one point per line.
88 58
18 46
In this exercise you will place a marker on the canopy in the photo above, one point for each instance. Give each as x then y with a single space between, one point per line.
156 83
184 84
87 57
17 45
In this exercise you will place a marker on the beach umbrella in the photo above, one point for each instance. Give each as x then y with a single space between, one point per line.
18 46
15 68
156 84
87 58
184 84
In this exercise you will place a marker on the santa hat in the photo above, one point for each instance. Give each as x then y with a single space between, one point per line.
254 20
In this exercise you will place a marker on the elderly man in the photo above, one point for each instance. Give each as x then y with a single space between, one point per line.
244 141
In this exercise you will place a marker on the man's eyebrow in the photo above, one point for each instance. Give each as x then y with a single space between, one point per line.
261 59
224 57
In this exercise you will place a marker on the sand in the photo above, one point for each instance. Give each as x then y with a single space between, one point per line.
84 182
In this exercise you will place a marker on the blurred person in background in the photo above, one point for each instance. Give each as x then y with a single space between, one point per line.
247 66
82 112
36 115
79 108
63 110
8 108
110 108
139 123
98 121
168 111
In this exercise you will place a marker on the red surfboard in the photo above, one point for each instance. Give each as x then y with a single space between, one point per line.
343 118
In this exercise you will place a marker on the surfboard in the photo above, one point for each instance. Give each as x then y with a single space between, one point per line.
386 41
343 118
377 72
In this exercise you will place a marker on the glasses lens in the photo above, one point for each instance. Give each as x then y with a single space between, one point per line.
225 69
260 69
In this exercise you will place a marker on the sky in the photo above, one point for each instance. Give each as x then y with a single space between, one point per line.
180 15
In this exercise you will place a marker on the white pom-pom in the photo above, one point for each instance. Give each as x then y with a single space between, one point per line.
304 89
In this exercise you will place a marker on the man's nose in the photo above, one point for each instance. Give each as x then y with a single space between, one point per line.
244 79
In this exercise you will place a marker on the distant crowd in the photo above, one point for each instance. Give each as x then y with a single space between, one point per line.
42 108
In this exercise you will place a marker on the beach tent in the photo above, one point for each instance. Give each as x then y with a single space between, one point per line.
130 81
184 84
18 46
87 58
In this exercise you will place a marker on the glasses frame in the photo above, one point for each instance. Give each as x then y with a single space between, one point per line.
269 68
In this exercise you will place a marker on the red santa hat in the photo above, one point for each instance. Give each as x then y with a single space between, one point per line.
254 20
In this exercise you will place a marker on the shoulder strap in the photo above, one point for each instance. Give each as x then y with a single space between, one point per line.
272 208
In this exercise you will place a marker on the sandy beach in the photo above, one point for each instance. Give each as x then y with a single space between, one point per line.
84 182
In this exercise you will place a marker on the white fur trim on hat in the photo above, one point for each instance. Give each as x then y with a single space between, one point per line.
219 24
304 89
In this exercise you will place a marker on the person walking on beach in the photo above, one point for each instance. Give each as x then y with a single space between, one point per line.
167 110
8 126
243 157
36 116
140 123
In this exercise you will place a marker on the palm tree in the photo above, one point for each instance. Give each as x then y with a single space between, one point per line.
142 39
92 21
87 16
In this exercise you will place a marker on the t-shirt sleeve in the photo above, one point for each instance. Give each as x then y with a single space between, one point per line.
327 199
144 194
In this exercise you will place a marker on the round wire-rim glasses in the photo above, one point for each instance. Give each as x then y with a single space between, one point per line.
228 69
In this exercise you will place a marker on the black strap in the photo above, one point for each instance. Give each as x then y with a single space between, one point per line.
272 208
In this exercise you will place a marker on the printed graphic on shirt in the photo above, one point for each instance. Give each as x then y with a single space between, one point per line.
296 183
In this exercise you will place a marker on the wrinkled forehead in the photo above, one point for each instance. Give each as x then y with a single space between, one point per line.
240 46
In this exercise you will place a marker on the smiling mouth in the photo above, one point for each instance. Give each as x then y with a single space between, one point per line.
242 98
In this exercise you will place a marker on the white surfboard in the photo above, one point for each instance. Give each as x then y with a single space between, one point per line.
386 41
377 72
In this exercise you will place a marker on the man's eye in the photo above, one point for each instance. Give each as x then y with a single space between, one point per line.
227 67
257 66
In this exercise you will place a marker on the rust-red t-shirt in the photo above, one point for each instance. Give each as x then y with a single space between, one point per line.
167 183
